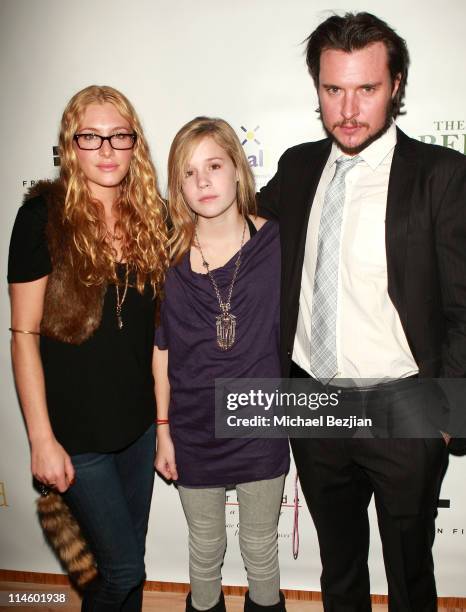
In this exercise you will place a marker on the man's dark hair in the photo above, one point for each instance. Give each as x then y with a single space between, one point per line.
355 31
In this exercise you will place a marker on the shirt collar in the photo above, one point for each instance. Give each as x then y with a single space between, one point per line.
375 153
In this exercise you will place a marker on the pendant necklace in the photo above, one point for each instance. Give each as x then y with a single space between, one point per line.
225 321
119 303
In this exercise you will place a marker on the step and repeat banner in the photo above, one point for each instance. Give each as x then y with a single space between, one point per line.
242 61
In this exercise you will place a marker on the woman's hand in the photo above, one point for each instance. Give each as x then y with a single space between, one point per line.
51 464
165 457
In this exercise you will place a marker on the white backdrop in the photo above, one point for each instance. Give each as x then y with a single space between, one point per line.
242 61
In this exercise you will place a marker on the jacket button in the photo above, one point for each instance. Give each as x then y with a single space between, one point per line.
288 353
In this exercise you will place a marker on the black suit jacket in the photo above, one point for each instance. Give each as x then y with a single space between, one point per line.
425 237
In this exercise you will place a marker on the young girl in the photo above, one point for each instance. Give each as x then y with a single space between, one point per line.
87 256
220 318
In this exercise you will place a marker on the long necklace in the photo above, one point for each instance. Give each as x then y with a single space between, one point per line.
225 321
119 303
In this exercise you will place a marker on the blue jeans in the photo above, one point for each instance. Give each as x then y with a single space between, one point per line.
111 501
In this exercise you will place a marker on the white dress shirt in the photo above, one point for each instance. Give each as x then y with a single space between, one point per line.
371 343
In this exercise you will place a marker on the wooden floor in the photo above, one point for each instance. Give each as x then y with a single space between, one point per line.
154 601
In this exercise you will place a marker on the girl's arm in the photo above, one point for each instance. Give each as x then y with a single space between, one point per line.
50 463
165 457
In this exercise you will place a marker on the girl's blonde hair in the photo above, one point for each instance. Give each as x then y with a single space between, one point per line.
182 217
141 212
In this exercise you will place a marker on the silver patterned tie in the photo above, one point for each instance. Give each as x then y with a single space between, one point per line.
325 294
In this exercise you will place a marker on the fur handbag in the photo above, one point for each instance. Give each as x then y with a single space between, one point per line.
64 534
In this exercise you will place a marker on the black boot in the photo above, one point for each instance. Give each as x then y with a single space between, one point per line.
251 606
219 606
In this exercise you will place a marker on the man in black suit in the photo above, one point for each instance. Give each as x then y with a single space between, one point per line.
373 231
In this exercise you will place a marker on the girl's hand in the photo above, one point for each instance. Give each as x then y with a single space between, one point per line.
165 456
51 464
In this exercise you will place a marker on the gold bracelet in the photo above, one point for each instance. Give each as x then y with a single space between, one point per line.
23 331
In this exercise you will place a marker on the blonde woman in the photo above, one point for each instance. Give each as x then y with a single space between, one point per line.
87 258
220 319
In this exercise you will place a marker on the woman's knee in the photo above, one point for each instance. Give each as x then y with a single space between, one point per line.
122 578
205 550
259 550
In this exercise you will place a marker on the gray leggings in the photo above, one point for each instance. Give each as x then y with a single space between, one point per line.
259 509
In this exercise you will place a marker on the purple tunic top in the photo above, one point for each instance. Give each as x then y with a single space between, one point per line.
188 330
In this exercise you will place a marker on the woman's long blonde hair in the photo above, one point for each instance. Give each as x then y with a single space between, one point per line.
182 217
141 212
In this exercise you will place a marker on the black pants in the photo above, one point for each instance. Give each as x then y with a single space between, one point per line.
338 478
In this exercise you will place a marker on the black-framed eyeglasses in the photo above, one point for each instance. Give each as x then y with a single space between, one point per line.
90 142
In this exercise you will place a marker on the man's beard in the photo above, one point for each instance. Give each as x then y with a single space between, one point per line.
369 140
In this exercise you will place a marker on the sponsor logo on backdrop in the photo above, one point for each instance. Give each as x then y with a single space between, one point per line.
250 135
56 156
451 531
448 531
449 133
56 162
232 513
3 500
257 154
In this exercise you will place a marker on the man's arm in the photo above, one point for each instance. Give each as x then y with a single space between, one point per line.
450 243
268 198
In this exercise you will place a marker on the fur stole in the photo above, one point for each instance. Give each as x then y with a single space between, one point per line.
72 311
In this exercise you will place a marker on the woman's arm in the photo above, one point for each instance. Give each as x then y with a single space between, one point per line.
165 457
50 464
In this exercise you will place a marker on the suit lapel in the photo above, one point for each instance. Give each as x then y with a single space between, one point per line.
306 179
304 176
399 202
293 226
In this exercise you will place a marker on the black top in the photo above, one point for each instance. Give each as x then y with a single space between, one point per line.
100 394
